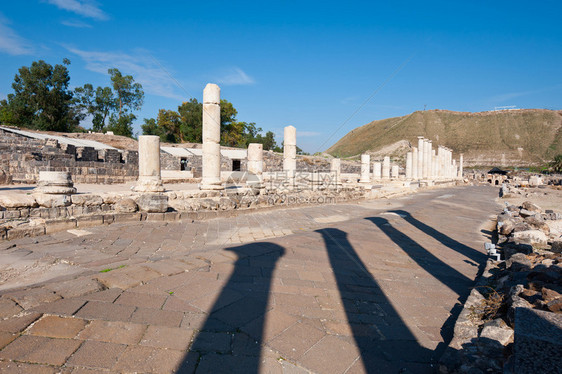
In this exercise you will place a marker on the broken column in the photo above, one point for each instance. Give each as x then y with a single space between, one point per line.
433 164
377 171
55 182
149 165
409 160
211 138
461 161
395 172
414 163
426 159
255 163
386 167
290 152
335 170
365 169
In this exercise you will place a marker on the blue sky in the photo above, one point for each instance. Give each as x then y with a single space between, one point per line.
302 63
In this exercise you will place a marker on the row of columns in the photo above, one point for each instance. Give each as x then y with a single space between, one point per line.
423 162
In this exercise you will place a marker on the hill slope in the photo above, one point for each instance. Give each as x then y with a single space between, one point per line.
518 137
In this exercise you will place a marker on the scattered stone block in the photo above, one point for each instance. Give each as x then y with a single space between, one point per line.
532 237
87 200
126 206
17 201
52 201
153 203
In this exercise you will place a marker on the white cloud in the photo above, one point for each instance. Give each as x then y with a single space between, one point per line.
513 95
140 64
86 8
234 77
75 23
10 41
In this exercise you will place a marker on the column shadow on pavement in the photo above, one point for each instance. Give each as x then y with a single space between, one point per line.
476 256
220 347
447 275
385 342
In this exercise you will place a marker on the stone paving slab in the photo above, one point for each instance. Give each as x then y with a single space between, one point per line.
370 287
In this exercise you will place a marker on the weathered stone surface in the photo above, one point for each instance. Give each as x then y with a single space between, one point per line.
538 223
126 206
17 201
153 203
497 330
518 262
531 207
538 341
533 237
556 246
87 200
52 201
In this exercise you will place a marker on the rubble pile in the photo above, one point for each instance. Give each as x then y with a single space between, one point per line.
512 320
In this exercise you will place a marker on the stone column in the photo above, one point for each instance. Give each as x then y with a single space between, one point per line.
420 156
335 169
386 167
440 161
365 169
461 165
414 163
255 163
425 156
395 172
377 171
454 172
409 161
290 151
211 138
433 164
149 165
55 182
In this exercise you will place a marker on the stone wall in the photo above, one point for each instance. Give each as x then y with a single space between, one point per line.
22 158
274 162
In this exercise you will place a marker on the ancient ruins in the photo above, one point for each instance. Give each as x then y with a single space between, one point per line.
173 235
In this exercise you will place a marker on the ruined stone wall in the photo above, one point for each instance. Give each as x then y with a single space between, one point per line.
22 158
274 162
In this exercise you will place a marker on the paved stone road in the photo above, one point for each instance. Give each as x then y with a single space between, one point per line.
371 287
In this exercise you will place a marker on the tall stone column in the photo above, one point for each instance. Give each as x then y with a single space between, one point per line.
414 163
386 167
433 164
440 161
461 165
290 151
211 138
149 165
420 156
426 162
365 169
409 163
395 172
377 171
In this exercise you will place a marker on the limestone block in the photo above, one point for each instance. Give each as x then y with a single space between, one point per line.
86 199
52 201
395 171
126 205
17 201
153 203
386 168
290 135
55 182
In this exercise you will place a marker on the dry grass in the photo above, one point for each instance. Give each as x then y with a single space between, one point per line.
524 137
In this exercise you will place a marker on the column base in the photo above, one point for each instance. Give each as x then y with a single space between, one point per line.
149 186
211 187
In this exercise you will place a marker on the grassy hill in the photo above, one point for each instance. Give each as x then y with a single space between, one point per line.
509 138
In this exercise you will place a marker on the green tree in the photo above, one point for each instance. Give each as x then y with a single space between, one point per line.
150 127
169 122
129 95
121 125
98 103
268 141
41 99
191 114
